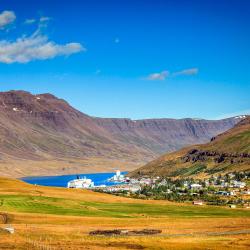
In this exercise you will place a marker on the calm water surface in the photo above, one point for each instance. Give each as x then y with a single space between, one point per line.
62 180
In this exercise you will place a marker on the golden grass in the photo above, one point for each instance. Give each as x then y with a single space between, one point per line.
72 233
34 231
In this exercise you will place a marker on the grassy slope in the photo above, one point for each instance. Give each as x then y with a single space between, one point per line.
21 197
234 141
62 218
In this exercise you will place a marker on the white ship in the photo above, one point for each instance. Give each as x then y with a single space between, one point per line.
118 177
81 183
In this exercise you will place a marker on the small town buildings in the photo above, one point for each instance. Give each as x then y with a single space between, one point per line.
121 188
146 181
226 193
239 184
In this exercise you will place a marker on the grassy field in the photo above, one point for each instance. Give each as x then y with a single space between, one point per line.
58 218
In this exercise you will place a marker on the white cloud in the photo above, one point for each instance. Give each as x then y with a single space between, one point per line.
192 71
165 74
29 21
158 76
35 47
6 18
44 19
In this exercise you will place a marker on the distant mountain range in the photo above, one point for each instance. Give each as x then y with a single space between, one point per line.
227 152
41 135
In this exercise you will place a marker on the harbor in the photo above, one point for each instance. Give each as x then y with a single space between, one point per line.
99 179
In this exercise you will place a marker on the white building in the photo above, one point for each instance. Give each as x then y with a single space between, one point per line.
195 186
118 177
239 184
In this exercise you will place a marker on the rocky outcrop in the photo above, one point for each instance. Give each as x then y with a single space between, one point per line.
195 155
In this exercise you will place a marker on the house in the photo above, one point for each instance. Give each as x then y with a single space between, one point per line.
199 203
195 186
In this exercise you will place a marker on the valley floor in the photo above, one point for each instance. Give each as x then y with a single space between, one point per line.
58 218
18 168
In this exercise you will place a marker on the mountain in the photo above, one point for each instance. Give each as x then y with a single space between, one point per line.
227 152
42 134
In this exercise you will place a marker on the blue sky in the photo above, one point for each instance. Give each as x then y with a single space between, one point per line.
136 59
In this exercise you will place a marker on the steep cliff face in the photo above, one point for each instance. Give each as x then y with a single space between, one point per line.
165 135
43 127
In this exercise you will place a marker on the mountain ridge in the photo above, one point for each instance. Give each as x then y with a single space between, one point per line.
43 127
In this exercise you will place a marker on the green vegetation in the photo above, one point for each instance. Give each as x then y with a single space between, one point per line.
60 206
195 169
240 141
217 169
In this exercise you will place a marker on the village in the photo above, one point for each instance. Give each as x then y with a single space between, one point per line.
232 189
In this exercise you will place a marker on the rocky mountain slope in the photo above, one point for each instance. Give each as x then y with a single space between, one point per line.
41 134
227 152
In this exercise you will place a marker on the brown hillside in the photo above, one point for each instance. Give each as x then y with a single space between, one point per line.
227 152
41 135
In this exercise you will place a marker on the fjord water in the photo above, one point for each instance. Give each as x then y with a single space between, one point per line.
62 180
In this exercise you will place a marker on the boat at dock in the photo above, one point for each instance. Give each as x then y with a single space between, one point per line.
81 183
